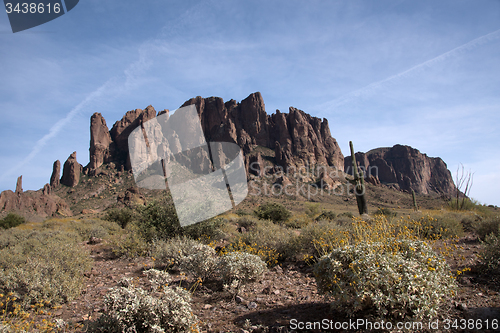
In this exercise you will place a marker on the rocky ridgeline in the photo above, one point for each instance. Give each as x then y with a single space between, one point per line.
33 203
296 138
404 168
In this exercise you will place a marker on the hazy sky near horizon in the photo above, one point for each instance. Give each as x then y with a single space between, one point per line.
419 73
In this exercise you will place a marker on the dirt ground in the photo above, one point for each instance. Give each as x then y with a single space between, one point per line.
287 296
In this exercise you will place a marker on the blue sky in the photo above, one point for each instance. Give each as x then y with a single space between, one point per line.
420 73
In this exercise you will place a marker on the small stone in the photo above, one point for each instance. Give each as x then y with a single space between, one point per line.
276 292
239 299
278 269
207 306
252 305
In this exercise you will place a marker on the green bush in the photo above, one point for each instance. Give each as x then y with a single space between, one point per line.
386 212
247 222
312 209
490 255
133 309
42 265
207 230
158 220
267 238
401 279
11 220
121 216
321 237
487 226
327 215
444 225
130 243
298 221
273 211
239 268
241 212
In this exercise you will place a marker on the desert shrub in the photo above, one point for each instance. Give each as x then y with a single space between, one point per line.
273 211
121 216
247 222
133 309
129 243
42 265
239 268
11 220
321 237
490 255
312 209
487 226
200 262
158 220
206 230
170 253
398 279
346 214
463 204
87 231
442 225
386 212
327 215
15 319
271 242
298 221
241 212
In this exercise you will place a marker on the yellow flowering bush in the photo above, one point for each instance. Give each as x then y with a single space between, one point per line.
398 278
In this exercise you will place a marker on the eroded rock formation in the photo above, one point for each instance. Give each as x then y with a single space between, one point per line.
71 171
405 166
40 203
297 137
56 174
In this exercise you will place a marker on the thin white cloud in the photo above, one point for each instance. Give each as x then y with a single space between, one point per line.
112 86
55 129
360 93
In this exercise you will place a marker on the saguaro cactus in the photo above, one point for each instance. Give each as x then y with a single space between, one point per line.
415 207
359 183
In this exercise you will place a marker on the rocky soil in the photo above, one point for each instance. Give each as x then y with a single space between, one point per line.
284 293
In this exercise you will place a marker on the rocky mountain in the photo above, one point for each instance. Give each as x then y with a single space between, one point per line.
288 140
295 136
405 168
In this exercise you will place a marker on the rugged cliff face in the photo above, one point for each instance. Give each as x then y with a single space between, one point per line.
405 166
297 137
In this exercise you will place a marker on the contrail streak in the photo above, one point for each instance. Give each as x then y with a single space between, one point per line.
131 72
55 129
429 63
